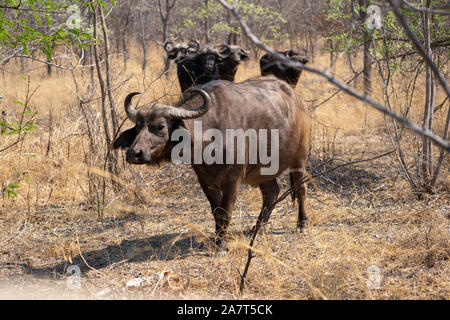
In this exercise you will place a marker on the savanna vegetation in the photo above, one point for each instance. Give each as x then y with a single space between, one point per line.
378 209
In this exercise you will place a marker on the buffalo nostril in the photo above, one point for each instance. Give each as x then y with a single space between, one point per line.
138 154
134 154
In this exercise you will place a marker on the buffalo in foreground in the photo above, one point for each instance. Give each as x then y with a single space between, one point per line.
271 66
270 104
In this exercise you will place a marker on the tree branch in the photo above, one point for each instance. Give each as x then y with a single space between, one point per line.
420 49
425 9
294 64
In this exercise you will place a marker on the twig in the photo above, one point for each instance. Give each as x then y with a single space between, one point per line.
25 107
87 264
420 49
53 64
425 9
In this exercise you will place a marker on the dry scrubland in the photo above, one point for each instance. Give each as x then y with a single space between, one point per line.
159 228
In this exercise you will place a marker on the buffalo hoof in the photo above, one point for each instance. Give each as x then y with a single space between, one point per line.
301 227
222 253
301 230
221 248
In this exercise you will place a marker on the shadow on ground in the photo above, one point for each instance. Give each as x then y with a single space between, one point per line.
159 247
347 180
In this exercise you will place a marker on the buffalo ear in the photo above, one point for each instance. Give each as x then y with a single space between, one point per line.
172 56
304 60
291 53
125 139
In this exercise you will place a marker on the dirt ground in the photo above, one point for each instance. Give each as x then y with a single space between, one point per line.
359 216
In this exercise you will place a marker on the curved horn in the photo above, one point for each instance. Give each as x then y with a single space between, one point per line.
226 46
197 48
129 109
247 52
181 113
166 46
221 51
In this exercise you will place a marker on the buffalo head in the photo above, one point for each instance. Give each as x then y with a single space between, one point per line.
149 140
207 58
180 51
233 54
294 55
232 57
269 65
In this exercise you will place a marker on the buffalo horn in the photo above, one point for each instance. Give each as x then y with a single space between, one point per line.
181 113
129 109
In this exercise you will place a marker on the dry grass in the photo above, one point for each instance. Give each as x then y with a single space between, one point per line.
360 216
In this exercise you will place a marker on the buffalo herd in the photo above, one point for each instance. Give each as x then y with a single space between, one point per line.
264 109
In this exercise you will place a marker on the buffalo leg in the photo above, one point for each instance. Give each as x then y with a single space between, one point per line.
300 194
222 214
269 192
214 196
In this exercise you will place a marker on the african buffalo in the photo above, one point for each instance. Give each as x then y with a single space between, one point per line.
228 110
270 66
196 67
231 59
180 50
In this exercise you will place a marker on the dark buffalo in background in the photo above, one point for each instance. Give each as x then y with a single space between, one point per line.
270 66
180 51
270 104
232 56
195 66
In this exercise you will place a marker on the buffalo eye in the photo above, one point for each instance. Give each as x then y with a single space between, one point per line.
158 129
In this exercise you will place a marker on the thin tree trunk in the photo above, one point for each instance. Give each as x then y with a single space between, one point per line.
124 43
112 106
366 38
111 154
207 36
144 45
101 81
427 161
